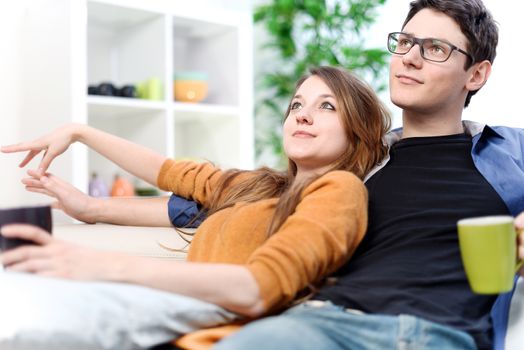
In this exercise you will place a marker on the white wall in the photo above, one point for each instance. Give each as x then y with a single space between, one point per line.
35 93
10 33
497 102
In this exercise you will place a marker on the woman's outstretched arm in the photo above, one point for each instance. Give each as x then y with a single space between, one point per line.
136 159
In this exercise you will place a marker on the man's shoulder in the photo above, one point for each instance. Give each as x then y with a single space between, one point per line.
510 135
509 131
476 130
500 140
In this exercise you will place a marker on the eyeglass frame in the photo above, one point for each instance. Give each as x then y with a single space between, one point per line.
420 42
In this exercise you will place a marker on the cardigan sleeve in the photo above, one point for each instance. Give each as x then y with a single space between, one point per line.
319 237
195 181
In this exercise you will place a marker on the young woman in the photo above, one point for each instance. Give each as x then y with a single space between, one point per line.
268 234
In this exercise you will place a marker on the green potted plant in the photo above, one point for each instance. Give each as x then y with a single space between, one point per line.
302 34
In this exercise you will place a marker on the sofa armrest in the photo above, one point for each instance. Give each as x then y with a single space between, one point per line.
144 241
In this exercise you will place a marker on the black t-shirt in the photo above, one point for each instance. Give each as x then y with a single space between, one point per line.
409 261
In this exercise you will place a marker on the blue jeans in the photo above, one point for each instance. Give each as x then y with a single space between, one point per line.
322 325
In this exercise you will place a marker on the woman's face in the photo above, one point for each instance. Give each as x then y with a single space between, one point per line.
313 133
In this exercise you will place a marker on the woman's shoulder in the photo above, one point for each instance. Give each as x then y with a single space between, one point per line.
340 176
340 180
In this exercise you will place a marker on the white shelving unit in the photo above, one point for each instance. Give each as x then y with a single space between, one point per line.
127 42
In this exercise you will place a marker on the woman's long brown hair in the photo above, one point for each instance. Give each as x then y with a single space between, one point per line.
365 120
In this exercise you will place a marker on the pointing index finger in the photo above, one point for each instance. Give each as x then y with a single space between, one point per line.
18 147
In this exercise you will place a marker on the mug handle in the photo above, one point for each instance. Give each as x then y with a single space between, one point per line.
519 261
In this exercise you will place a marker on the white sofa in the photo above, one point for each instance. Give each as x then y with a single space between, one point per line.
145 241
148 241
515 334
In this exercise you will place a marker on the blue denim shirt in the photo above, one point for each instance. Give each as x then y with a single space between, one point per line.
184 213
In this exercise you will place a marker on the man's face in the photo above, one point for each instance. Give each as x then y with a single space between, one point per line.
425 87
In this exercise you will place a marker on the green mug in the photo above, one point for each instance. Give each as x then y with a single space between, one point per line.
488 246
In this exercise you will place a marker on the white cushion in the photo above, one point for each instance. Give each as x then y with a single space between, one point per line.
53 314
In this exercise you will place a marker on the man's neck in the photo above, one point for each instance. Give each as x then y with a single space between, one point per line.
417 125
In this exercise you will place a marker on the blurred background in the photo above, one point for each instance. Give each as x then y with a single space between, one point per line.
205 79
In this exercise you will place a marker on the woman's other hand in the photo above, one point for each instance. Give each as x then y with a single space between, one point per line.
69 199
56 258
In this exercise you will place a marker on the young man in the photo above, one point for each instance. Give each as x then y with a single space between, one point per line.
405 287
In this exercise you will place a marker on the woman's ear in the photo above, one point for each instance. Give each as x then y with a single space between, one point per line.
479 75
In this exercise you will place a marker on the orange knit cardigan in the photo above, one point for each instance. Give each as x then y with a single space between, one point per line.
329 222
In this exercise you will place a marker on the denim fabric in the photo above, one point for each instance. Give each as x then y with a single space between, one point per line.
183 212
322 325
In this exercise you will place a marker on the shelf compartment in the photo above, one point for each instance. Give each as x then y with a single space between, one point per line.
124 45
211 48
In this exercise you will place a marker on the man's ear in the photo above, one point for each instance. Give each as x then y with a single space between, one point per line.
479 75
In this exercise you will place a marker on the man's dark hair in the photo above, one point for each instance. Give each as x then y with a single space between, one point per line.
476 24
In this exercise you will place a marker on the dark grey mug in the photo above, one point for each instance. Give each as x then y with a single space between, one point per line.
38 216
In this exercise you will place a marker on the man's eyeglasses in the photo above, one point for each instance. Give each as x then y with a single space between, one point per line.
434 50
